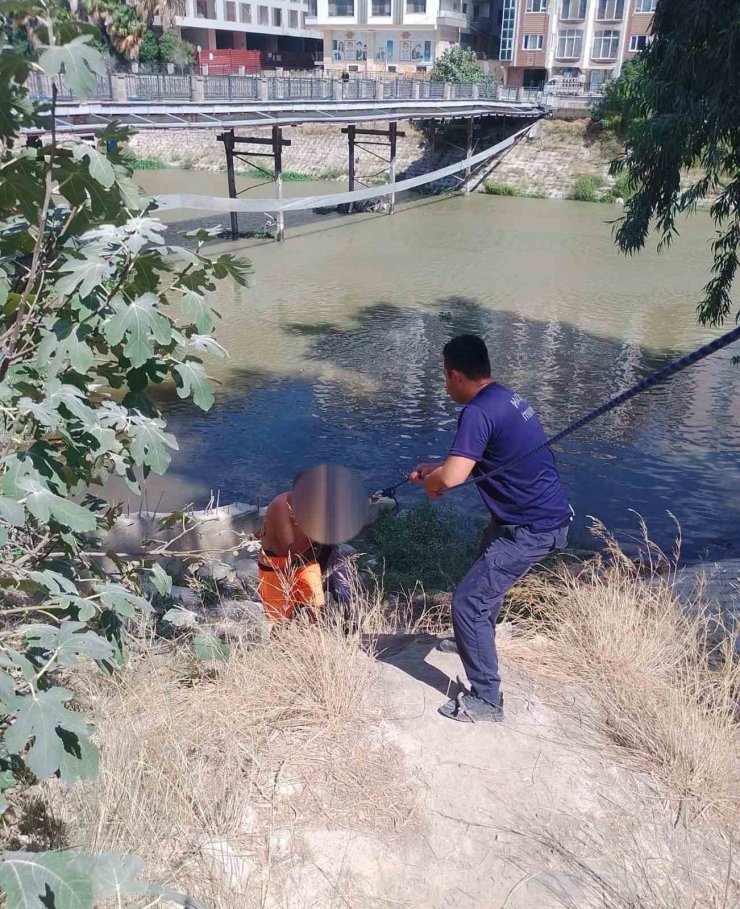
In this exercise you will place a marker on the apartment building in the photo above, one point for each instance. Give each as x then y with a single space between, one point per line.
401 36
272 26
588 40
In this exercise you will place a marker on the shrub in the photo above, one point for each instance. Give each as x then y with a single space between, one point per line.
501 189
96 307
149 48
586 189
624 188
146 164
425 545
458 64
172 49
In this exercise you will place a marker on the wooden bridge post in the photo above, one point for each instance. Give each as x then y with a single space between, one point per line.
468 152
351 168
277 150
392 135
228 140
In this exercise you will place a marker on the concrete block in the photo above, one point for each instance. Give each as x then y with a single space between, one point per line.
118 89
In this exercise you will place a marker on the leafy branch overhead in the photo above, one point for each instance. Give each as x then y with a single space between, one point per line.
96 307
680 113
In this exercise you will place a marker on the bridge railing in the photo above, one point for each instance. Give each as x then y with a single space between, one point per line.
40 86
161 86
157 87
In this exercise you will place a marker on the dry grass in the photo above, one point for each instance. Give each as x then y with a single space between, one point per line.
662 679
210 773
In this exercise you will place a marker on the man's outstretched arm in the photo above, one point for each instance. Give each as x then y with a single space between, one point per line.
452 472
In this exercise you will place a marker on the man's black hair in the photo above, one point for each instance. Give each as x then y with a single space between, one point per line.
468 354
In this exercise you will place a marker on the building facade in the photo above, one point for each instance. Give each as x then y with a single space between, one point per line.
401 36
583 40
272 26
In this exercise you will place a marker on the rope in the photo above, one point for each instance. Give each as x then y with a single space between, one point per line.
650 381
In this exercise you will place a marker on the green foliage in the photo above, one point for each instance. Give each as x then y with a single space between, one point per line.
614 110
172 49
76 881
146 164
96 306
289 176
457 64
623 188
427 545
586 189
120 24
149 48
501 189
682 118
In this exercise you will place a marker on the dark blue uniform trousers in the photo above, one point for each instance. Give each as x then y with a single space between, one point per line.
506 555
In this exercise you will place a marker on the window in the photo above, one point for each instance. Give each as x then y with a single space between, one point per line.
416 6
573 9
598 78
245 12
569 44
508 19
536 6
303 19
264 15
610 10
293 18
606 44
202 10
230 8
277 17
342 8
476 10
645 6
638 43
533 42
465 8
381 8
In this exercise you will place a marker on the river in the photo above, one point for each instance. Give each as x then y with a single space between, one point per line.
335 356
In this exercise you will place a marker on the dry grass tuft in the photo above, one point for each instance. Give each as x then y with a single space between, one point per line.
210 773
662 678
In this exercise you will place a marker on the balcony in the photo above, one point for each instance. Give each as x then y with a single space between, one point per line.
451 14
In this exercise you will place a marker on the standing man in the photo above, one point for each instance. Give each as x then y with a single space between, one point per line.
530 514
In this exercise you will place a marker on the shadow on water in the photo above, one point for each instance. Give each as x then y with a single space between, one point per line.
372 396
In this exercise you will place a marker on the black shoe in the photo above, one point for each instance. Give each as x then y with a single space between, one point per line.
469 708
448 645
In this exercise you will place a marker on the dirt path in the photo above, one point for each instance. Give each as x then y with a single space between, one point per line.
534 812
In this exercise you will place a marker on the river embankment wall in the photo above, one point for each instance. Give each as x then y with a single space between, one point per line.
549 164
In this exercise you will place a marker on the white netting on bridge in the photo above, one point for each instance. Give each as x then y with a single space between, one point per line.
225 204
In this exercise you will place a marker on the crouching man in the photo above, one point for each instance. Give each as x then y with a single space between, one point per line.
530 514
295 573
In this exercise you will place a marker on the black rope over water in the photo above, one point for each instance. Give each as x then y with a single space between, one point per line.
655 378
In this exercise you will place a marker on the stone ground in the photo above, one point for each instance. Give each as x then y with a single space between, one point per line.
534 813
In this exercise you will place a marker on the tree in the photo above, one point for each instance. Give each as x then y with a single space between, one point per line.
120 23
172 49
682 121
612 110
457 64
149 49
96 306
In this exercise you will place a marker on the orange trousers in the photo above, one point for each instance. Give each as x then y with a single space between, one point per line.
285 585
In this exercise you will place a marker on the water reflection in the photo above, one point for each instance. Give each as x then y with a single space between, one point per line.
674 448
335 356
